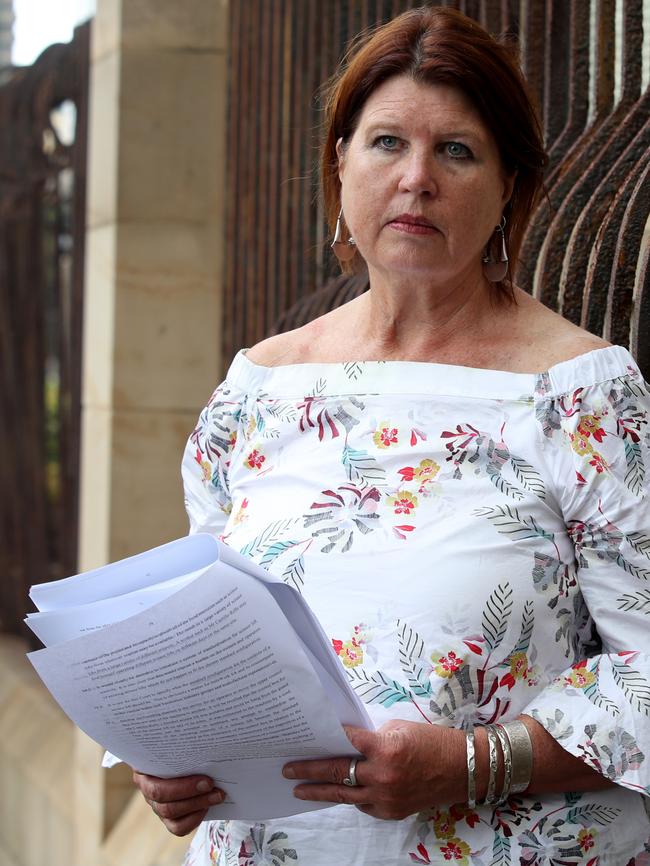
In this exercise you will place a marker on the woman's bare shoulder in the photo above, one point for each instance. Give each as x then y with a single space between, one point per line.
552 339
317 340
276 350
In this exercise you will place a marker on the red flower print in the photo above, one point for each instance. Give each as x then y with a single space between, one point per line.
580 677
385 436
422 856
338 646
255 459
456 849
586 839
598 463
447 665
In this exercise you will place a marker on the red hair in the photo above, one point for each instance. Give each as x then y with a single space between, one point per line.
436 45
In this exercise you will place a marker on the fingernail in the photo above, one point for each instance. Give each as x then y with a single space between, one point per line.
299 793
203 787
288 773
215 798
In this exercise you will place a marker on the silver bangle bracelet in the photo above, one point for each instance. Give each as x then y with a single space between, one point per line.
521 749
490 799
507 764
471 769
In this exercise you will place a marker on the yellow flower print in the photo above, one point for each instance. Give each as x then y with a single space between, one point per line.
351 654
444 825
580 677
206 470
427 470
456 850
351 651
446 665
519 665
581 445
385 435
255 459
233 439
252 426
403 502
587 839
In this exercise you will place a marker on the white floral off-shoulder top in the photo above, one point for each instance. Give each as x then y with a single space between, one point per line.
476 544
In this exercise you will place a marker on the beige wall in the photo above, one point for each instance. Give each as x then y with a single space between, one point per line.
151 350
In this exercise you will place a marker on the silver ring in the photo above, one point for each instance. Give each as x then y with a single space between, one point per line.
351 778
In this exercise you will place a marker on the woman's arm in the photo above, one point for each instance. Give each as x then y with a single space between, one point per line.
409 767
554 769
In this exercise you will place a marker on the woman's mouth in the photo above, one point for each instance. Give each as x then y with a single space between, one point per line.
413 224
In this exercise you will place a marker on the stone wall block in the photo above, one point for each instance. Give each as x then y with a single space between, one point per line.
147 505
172 111
99 315
103 134
106 30
194 24
167 338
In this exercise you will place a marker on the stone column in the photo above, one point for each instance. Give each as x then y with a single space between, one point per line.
152 328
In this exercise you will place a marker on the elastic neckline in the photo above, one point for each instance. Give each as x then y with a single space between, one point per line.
422 377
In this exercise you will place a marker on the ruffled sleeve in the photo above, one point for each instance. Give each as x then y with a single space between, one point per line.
206 460
598 440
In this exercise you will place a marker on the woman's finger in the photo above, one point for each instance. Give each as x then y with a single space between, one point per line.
177 809
332 770
168 790
183 826
340 794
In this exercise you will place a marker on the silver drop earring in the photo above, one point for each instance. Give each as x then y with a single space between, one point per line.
495 270
343 250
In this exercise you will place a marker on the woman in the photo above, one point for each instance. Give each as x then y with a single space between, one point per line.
455 478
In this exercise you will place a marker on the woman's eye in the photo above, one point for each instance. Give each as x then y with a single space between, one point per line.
386 142
457 150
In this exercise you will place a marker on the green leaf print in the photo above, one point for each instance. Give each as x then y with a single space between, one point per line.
523 642
625 564
274 550
352 370
294 573
501 855
362 468
377 688
501 484
411 648
635 601
507 521
496 615
634 686
635 475
640 542
266 538
528 476
590 814
597 698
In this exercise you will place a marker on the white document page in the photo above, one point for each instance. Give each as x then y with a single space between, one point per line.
175 559
55 626
212 680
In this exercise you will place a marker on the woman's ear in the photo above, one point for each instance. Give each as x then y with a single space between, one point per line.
508 186
340 153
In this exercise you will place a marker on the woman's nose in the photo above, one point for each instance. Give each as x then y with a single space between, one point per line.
418 174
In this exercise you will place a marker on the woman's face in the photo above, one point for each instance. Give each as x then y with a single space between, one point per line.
422 185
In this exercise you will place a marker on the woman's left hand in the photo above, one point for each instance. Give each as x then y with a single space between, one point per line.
406 767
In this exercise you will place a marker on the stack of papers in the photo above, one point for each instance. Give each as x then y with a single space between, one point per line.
189 658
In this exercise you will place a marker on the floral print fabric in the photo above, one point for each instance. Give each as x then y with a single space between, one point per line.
476 544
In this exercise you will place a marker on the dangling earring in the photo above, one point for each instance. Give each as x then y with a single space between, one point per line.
343 250
495 270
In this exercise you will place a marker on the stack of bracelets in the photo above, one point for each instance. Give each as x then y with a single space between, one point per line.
513 741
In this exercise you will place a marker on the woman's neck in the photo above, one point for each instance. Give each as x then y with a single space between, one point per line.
402 320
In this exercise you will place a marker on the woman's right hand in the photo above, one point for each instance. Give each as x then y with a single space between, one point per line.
181 804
